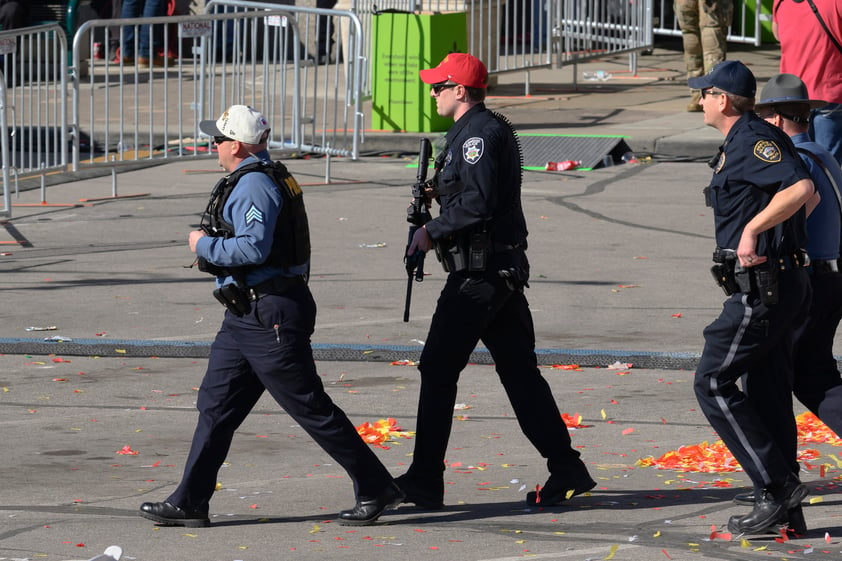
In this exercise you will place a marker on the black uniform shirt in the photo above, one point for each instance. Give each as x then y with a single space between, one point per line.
480 179
756 161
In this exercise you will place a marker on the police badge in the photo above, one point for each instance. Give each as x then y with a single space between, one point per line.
472 149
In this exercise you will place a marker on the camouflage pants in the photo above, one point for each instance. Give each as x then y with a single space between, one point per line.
704 26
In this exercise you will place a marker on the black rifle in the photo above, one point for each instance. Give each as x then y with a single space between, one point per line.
417 215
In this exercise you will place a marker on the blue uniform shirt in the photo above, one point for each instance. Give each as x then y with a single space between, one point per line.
756 161
253 208
824 225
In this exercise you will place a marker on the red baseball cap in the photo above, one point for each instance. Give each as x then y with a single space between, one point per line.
461 68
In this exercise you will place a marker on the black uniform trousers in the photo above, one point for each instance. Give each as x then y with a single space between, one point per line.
817 382
269 349
755 342
474 307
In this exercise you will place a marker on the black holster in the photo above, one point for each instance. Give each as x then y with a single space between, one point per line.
235 299
465 251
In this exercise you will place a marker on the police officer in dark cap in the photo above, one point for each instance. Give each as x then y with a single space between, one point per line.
480 237
758 193
785 103
255 240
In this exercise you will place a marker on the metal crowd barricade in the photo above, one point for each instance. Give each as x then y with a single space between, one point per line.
745 27
33 116
597 28
135 111
332 79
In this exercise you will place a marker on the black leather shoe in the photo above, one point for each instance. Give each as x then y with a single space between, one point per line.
557 491
770 509
427 493
366 513
167 514
746 499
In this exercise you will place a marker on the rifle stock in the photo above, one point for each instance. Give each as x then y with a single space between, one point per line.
417 215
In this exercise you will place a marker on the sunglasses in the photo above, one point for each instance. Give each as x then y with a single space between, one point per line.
221 139
708 92
437 88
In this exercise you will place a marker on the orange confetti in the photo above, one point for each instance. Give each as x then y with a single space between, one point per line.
127 451
405 362
628 431
715 458
573 421
381 431
566 367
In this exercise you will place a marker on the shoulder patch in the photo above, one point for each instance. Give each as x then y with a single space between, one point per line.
767 151
472 149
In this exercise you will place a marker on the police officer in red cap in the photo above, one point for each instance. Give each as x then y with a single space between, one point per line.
758 192
480 237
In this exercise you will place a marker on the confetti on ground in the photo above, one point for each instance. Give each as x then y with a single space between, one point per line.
127 451
619 365
573 421
405 362
713 458
381 431
566 367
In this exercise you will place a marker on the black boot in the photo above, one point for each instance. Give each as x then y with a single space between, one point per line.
367 512
770 508
167 514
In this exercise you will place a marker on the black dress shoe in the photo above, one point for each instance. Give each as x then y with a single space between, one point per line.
769 509
557 491
427 493
167 514
366 513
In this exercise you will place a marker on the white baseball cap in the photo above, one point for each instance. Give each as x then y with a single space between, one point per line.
239 122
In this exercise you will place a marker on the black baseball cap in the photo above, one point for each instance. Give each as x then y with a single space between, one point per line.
731 76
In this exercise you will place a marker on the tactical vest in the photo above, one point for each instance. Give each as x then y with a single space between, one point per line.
291 238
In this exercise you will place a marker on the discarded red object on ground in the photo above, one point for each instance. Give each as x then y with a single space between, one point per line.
562 166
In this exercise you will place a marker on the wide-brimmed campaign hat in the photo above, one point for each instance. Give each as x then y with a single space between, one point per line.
786 88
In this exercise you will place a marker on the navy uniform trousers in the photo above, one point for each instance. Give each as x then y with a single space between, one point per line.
817 382
474 307
269 348
755 342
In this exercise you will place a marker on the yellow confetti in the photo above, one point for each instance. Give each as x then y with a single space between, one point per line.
761 548
835 459
744 543
603 414
815 500
5 389
520 541
657 534
121 351
218 486
190 535
612 551
315 529
570 493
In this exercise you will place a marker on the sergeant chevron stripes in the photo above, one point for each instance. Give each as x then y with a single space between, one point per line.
254 215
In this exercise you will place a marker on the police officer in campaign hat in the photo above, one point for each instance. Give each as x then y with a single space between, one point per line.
785 103
758 193
480 237
255 240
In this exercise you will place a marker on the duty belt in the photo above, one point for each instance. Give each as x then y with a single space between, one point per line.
275 285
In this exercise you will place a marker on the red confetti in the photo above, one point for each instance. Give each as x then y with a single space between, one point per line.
127 451
678 315
381 431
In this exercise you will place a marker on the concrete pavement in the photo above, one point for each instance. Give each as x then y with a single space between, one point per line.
620 260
